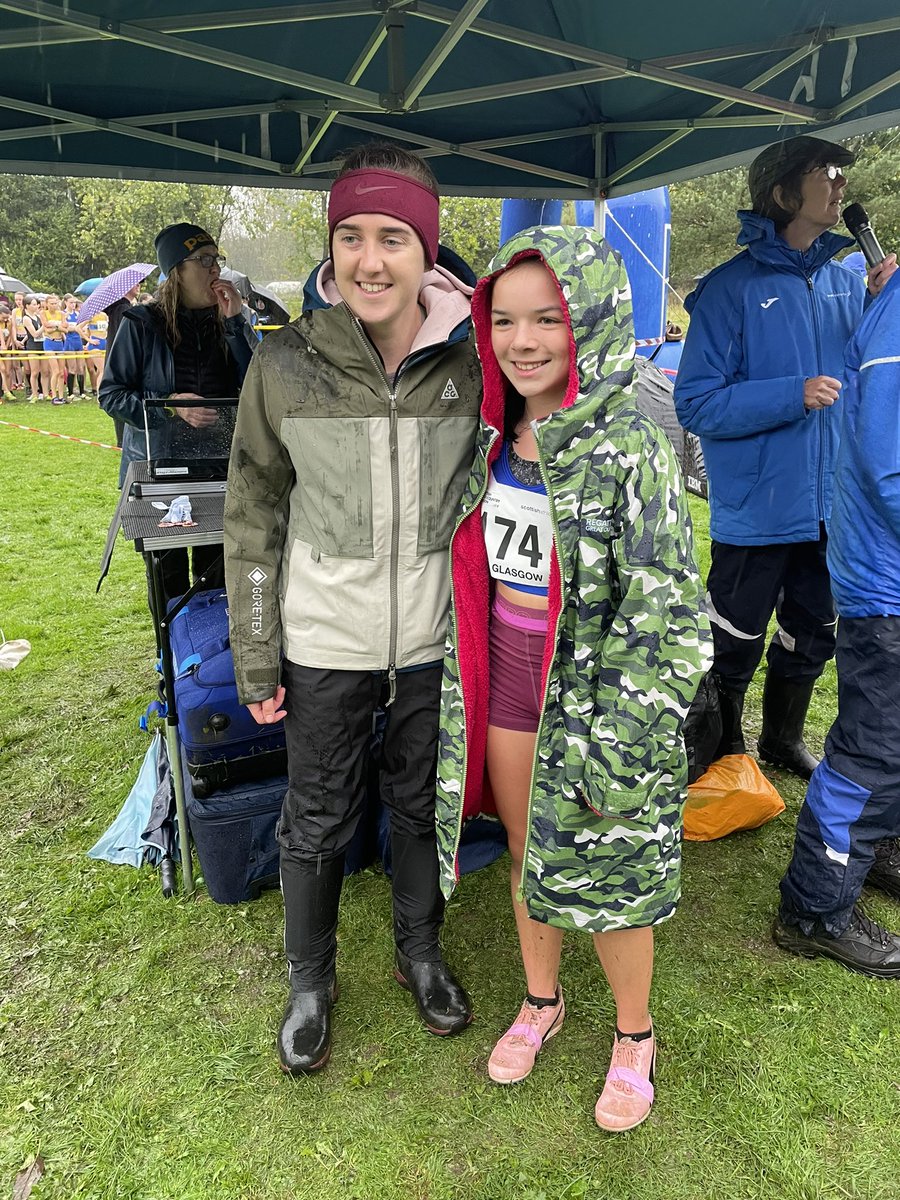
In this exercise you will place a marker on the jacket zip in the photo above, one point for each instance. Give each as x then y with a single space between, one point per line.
557 543
820 413
465 741
392 388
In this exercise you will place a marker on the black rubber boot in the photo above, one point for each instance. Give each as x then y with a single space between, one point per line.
311 900
731 705
785 705
418 915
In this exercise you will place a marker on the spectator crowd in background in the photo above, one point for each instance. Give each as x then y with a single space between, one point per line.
47 352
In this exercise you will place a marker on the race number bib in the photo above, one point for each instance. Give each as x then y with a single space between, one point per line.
518 535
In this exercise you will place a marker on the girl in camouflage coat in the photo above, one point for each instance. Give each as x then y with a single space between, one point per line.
577 641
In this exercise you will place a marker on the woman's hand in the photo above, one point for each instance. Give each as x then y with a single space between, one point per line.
227 297
877 276
197 418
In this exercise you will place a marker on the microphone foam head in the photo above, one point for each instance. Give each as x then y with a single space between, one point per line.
855 217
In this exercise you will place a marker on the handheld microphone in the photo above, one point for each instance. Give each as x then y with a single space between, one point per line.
857 221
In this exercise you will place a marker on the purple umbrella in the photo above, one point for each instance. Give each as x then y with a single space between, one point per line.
114 287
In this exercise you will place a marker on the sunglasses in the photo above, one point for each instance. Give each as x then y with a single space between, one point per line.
207 260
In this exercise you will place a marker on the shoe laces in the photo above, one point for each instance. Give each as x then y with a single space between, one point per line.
530 1015
865 926
626 1054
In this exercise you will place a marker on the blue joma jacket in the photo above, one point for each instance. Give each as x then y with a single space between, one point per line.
864 538
761 325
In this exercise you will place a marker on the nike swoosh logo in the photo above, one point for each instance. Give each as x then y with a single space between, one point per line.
378 187
768 303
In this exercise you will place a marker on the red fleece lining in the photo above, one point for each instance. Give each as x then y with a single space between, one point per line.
469 565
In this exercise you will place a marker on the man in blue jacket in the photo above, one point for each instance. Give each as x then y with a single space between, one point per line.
758 380
848 826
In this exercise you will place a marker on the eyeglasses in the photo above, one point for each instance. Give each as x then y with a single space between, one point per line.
831 170
207 260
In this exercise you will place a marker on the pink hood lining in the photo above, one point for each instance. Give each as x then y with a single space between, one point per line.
469 564
446 300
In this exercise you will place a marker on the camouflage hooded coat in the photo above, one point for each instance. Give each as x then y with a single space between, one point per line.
627 640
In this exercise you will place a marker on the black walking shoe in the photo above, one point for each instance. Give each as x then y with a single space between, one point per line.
443 1005
304 1039
864 946
785 705
885 870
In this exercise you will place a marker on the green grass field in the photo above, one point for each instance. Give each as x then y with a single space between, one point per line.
137 1034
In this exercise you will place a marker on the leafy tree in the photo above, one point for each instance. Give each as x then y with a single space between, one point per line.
874 182
38 220
117 220
470 226
704 226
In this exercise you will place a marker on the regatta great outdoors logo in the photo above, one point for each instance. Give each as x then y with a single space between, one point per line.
257 577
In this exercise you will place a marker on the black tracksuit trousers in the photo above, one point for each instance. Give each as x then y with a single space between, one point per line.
746 584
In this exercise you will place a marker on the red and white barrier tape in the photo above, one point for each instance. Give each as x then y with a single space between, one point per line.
62 436
649 341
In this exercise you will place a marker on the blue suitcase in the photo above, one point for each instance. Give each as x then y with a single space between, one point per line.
234 835
222 743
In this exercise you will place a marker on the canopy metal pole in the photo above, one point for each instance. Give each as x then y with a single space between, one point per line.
600 177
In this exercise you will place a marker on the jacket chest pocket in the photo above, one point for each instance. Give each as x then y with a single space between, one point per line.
446 447
331 506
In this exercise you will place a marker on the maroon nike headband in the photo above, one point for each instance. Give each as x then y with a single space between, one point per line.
394 195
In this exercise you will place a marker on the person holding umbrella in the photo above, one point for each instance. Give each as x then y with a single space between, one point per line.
191 342
114 296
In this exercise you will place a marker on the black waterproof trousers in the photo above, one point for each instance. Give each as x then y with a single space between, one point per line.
329 726
746 584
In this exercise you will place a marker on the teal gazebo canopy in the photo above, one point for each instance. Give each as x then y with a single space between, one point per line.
573 98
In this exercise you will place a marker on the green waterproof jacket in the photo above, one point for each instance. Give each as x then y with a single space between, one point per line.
627 642
342 491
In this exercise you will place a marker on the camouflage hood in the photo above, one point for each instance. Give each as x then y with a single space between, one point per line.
591 277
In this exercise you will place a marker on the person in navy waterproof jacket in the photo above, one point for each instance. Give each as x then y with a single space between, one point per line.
848 826
758 382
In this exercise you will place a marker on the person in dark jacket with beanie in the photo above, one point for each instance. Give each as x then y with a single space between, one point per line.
758 381
191 342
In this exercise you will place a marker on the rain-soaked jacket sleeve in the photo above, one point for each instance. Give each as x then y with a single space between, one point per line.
653 655
260 475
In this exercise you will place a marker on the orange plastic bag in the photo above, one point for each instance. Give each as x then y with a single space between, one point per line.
733 794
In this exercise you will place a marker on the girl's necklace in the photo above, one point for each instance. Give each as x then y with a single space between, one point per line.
524 470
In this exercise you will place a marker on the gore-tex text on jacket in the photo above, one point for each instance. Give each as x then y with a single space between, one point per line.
761 325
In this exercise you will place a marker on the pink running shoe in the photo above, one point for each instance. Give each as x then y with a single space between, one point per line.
513 1056
628 1092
